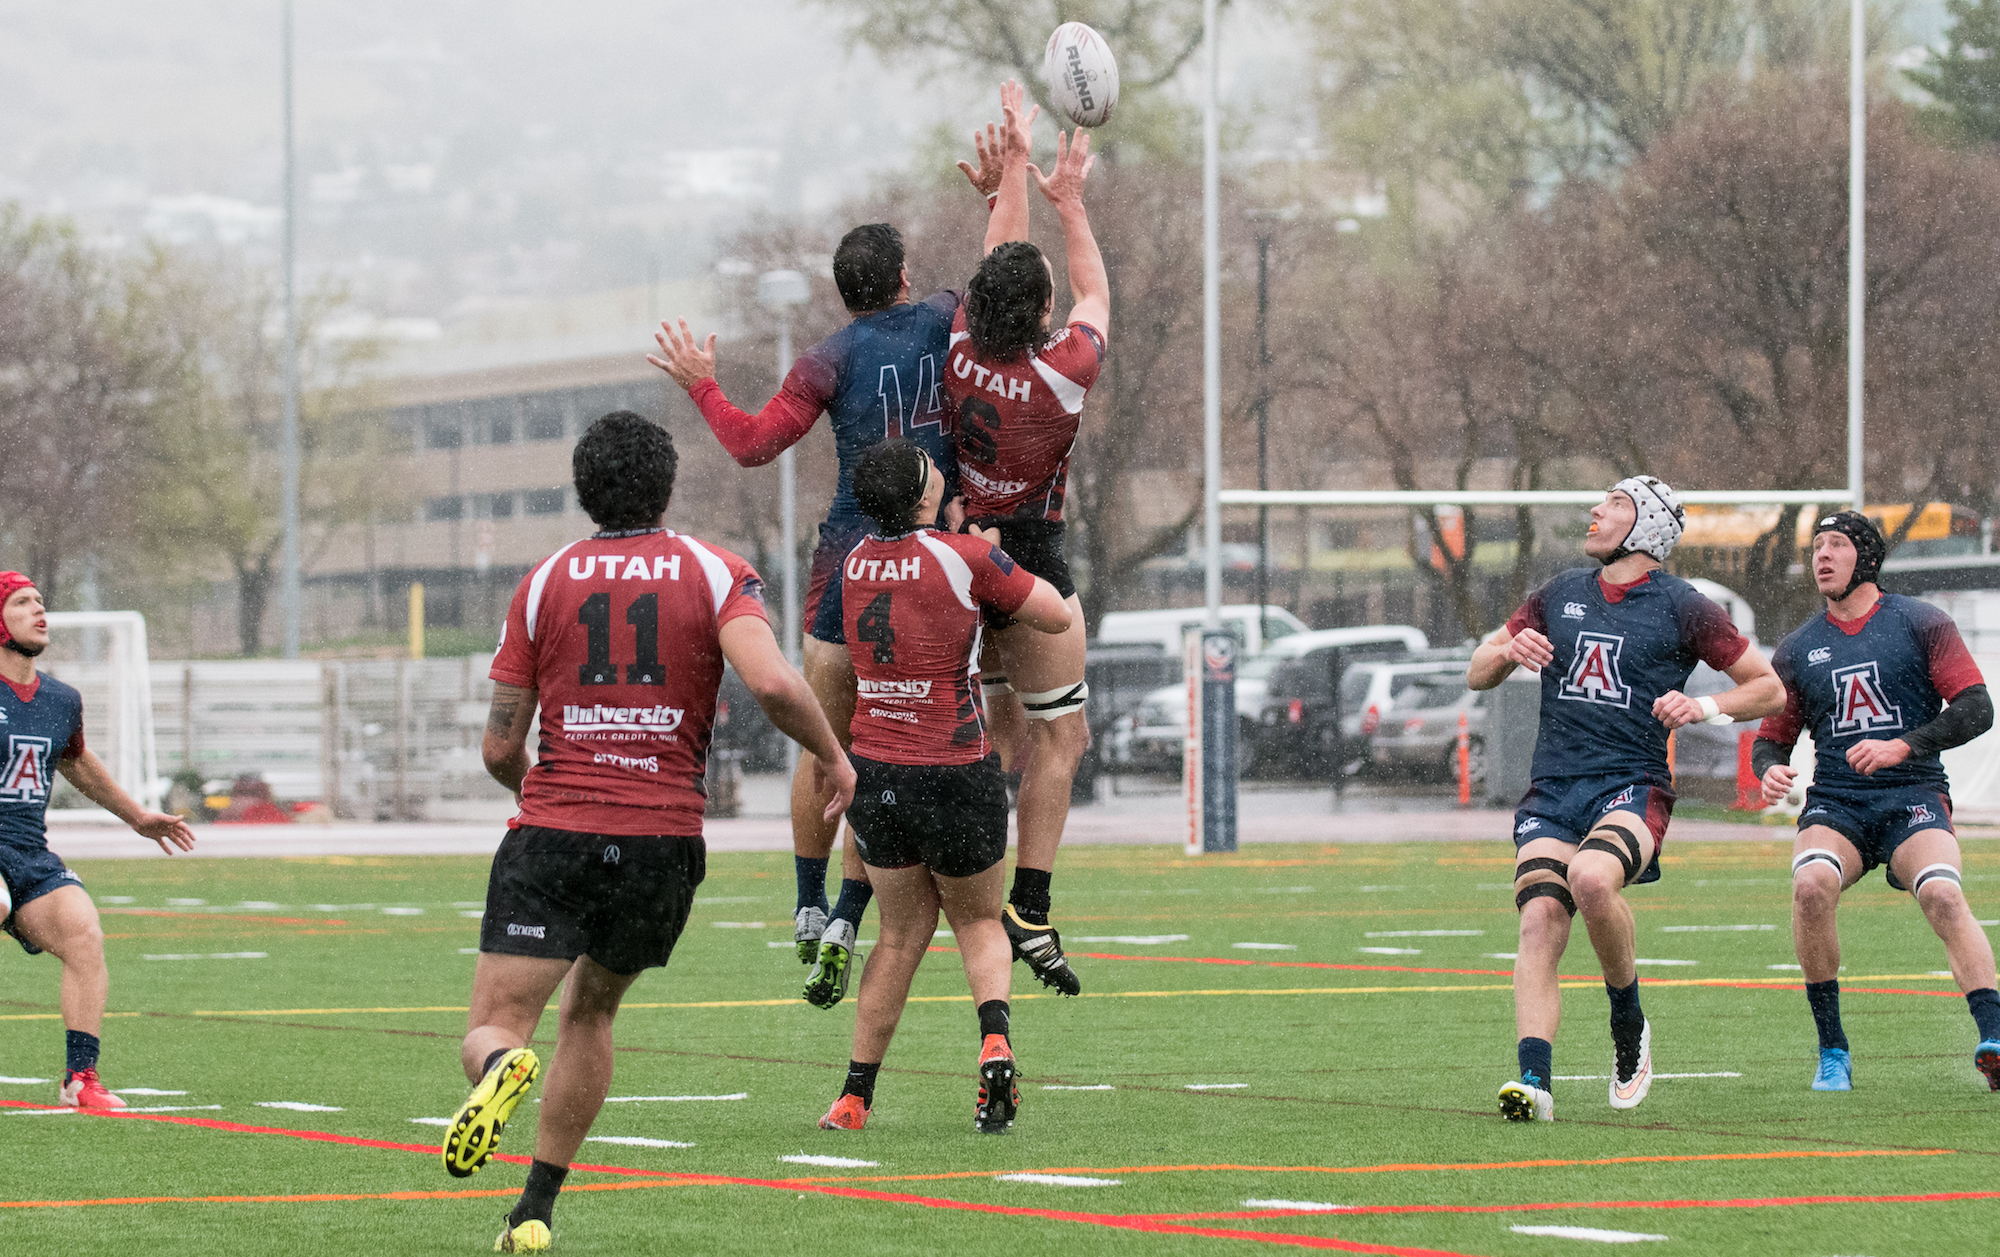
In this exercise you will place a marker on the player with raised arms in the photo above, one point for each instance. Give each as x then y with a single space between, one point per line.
42 903
930 803
1614 646
618 639
1017 391
1870 680
875 379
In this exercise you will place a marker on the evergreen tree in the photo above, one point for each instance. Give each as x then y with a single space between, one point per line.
1964 83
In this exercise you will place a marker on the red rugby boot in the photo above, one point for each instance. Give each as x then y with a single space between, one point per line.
82 1090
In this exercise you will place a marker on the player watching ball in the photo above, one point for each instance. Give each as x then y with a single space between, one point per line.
1017 392
1614 646
42 903
930 804
1870 679
619 639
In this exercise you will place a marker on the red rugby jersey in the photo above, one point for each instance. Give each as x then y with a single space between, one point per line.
1017 420
619 634
911 611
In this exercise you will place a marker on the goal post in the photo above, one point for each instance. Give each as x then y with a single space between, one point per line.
117 689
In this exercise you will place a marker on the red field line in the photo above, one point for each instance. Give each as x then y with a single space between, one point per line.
1749 1202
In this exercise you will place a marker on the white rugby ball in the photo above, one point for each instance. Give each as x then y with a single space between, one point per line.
1082 74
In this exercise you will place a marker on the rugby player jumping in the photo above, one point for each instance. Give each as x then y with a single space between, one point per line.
619 639
1870 680
930 804
1613 646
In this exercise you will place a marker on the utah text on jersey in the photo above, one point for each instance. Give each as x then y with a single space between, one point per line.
1593 675
27 776
1859 705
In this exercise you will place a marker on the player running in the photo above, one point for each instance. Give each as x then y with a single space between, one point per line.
930 804
619 639
1017 394
1870 679
1613 646
42 903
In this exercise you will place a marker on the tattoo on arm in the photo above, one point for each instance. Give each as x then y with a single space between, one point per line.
507 701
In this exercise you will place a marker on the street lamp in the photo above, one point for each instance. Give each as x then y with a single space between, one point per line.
782 291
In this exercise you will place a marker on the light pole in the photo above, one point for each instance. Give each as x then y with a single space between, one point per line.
1263 218
288 433
783 291
1857 180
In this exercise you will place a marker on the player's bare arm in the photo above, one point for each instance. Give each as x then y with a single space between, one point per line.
751 649
680 356
1089 284
1496 658
1758 693
1008 166
505 746
87 773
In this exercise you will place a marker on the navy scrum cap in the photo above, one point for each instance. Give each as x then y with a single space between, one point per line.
1869 547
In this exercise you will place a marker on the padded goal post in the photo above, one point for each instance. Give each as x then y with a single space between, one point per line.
114 675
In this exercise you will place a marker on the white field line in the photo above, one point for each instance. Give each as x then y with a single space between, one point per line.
1097 1086
430 1121
730 899
781 943
737 925
468 951
147 1091
634 1141
474 914
469 903
831 1163
1587 1233
1390 951
260 905
299 1106
26 1082
1423 933
1318 1206
213 955
1665 962
1134 940
35 1112
116 899
1607 1077
1057 1180
402 912
168 1108
1216 1086
187 903
1369 890
735 1095
1266 946
1502 955
1286 890
1713 929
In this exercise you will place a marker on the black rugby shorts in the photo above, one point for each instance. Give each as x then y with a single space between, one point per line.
618 899
950 817
1036 544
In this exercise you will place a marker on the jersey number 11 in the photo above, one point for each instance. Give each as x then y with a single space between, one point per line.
644 615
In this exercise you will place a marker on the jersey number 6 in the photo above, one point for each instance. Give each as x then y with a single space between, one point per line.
644 615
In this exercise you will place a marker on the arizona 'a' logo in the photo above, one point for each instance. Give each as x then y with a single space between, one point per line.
26 779
1593 675
1859 703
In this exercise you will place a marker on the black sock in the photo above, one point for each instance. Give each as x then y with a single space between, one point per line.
861 1081
82 1051
854 897
812 881
1538 1067
1030 895
492 1059
993 1018
1825 1000
1985 1005
538 1198
1627 1018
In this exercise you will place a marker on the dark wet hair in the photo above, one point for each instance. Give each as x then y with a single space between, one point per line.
889 481
1005 300
624 471
868 267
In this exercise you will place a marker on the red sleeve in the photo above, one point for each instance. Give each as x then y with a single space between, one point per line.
1707 631
1785 727
1532 615
1077 352
1952 668
746 592
997 581
514 662
754 440
75 745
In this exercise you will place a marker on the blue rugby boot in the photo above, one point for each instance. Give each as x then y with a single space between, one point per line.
1987 1058
1836 1070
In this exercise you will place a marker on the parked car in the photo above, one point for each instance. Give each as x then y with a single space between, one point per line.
1120 676
1419 735
1169 626
1158 730
1310 727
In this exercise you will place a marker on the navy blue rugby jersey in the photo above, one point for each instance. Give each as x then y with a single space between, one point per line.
1881 676
40 724
1618 648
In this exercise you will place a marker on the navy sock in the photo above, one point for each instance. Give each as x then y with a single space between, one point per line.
812 881
1825 1000
1627 1018
538 1198
82 1051
1537 1063
854 897
1985 1005
1030 895
993 1018
861 1081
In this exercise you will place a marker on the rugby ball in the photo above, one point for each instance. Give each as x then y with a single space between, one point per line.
1082 75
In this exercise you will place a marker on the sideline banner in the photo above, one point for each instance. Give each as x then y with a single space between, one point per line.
1209 770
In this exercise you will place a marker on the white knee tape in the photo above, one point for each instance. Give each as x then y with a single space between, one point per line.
6 902
996 685
1049 704
1811 854
1933 872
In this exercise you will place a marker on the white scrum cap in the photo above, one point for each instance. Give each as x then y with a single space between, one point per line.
1657 527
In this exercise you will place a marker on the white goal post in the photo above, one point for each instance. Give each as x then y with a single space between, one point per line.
117 698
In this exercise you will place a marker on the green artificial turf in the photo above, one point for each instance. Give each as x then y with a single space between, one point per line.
1372 1066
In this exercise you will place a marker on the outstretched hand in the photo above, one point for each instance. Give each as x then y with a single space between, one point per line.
1073 163
168 830
1005 146
680 357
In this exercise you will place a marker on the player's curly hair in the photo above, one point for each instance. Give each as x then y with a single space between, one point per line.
889 481
624 471
868 267
1005 301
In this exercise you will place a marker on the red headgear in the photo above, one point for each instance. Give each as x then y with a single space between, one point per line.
11 583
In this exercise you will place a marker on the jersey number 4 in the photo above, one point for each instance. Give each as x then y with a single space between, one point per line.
872 625
644 616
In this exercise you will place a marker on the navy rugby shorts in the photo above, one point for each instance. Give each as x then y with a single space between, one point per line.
822 611
1568 808
1877 820
30 873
